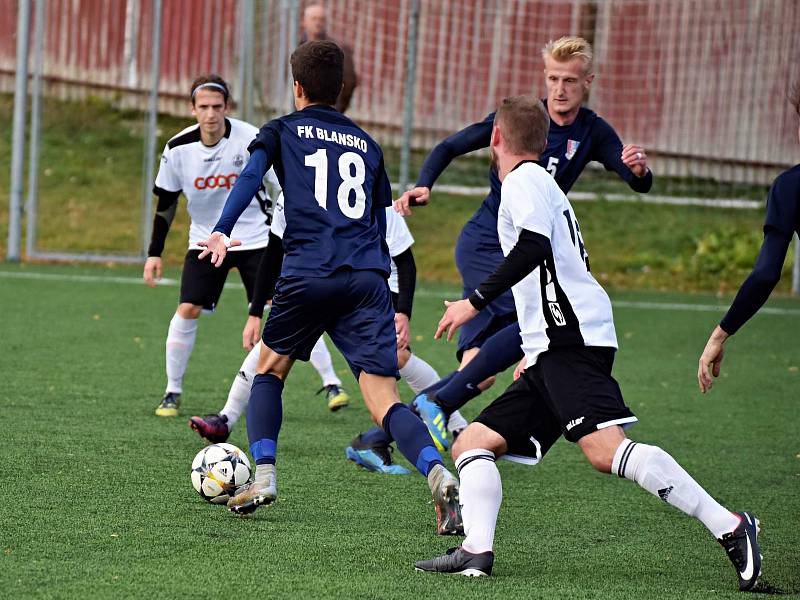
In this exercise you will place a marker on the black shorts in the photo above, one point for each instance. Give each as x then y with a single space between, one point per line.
202 282
569 392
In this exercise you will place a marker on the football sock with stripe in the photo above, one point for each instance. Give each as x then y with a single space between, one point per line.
264 416
239 393
413 439
480 494
659 473
497 354
180 342
418 374
321 360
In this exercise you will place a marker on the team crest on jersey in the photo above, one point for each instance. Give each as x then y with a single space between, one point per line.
558 315
238 161
572 147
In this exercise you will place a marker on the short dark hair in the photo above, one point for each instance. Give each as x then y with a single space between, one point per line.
524 123
318 66
218 84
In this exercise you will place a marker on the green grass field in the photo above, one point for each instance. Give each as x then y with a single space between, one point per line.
97 500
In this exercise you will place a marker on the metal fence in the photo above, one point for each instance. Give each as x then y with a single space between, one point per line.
700 83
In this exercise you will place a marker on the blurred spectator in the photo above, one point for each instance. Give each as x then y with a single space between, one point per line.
315 28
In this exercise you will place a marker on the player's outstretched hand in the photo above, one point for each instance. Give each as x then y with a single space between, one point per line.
635 159
152 270
455 315
520 368
251 332
402 329
417 196
711 359
217 246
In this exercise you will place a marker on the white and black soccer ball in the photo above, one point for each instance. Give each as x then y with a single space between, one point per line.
218 471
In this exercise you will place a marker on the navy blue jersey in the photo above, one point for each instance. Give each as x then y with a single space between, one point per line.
569 149
783 203
335 192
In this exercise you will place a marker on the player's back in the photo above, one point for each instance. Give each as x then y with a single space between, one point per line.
335 192
560 304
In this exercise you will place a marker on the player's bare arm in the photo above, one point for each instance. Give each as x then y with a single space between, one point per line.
403 330
455 315
251 333
635 158
417 196
711 359
152 270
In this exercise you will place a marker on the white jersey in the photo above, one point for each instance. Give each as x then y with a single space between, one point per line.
398 236
206 174
560 303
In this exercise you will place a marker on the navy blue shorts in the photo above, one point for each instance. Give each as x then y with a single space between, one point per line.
474 333
353 307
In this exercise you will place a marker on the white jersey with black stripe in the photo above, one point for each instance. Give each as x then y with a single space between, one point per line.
559 304
398 236
206 174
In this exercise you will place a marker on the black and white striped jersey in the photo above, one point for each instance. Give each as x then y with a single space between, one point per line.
559 304
206 174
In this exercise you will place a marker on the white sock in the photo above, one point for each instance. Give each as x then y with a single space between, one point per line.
321 359
239 394
456 422
658 473
418 374
180 341
481 493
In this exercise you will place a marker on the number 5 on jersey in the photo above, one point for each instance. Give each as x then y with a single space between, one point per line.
351 181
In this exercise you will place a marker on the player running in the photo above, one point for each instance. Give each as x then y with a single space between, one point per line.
334 273
490 343
569 342
417 373
783 220
203 161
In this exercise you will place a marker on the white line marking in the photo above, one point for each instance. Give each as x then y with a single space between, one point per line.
465 190
421 292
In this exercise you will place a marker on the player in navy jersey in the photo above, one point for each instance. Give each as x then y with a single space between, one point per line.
202 162
334 273
569 342
782 221
490 343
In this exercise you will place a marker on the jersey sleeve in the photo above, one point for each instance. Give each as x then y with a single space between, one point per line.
782 204
471 138
381 188
608 152
244 190
398 236
168 177
526 200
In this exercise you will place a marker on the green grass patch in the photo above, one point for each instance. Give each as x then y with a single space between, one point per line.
97 500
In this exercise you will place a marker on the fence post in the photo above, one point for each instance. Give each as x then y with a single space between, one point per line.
294 23
35 134
151 134
796 267
247 23
408 96
18 136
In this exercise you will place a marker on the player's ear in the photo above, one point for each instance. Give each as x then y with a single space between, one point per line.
497 136
589 79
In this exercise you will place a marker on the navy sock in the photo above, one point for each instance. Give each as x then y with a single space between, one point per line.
430 390
497 354
376 437
264 416
413 439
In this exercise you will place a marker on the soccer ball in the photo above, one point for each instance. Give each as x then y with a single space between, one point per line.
218 471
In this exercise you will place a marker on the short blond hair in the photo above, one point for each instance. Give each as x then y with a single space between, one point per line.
524 122
569 47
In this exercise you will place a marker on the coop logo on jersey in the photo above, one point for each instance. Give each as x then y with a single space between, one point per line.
216 181
572 148
238 161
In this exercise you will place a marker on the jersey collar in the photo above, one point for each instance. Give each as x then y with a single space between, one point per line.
522 162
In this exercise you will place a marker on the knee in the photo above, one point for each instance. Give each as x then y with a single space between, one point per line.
189 311
478 435
402 357
487 383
